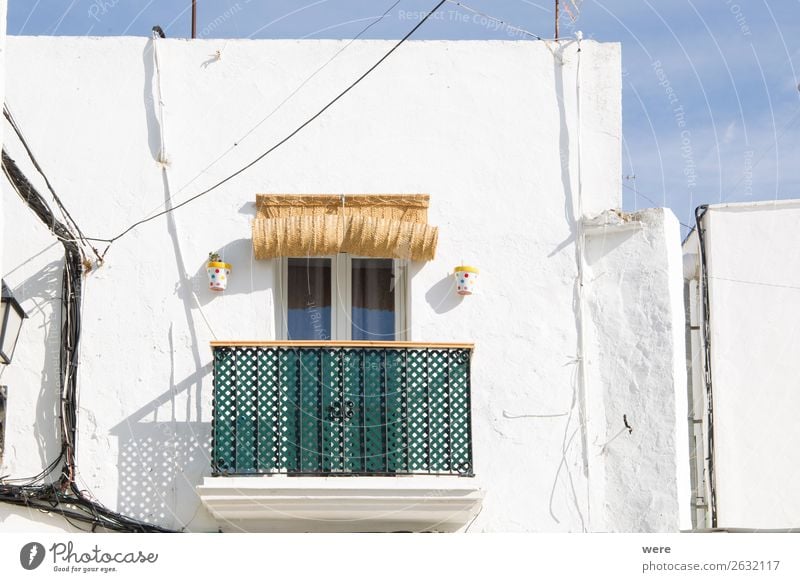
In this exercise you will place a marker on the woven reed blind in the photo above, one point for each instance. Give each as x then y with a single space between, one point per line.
387 226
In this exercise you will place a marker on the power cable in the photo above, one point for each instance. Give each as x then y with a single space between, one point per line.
51 497
761 283
795 116
699 214
282 141
280 105
624 185
15 127
63 495
67 216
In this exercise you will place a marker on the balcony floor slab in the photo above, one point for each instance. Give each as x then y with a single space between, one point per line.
282 503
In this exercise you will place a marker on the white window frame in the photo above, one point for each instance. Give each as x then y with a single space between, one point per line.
342 297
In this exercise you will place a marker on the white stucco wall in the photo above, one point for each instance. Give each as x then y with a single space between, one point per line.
488 129
754 297
3 11
636 371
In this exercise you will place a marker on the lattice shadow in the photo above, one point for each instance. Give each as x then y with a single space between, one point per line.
160 463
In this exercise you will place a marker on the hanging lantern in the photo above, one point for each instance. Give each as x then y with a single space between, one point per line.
465 279
218 272
11 317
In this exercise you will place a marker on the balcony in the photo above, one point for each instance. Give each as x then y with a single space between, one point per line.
304 414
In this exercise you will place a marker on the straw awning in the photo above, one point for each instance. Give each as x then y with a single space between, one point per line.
387 226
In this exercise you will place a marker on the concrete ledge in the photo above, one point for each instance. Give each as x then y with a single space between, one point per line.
614 221
279 503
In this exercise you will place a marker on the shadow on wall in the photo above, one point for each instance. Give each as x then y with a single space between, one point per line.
248 208
442 297
151 119
569 217
564 154
43 291
598 247
163 455
160 464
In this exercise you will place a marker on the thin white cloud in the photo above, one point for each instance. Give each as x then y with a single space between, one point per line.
730 133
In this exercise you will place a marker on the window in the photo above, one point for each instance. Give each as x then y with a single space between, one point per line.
309 286
372 307
343 298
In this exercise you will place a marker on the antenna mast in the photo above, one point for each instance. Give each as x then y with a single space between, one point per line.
194 18
556 19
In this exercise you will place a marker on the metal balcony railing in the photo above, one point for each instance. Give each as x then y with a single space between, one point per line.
349 408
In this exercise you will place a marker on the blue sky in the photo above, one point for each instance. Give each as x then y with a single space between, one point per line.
711 107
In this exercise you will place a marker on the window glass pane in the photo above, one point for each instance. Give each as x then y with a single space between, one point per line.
373 300
309 299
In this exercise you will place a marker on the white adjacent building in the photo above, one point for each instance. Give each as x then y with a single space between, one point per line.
552 399
743 305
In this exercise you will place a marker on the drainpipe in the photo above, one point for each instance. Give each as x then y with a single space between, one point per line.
695 389
705 331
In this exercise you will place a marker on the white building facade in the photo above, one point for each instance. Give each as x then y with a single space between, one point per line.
743 305
575 338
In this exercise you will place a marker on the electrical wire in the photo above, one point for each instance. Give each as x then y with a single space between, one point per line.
624 185
313 118
162 152
795 116
580 254
280 105
67 216
699 214
62 495
761 283
282 141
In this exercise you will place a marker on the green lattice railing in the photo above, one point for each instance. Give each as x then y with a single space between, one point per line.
341 409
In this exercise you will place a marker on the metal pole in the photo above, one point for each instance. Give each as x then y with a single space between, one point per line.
194 19
556 19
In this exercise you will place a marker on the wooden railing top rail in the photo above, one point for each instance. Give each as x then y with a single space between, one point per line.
342 344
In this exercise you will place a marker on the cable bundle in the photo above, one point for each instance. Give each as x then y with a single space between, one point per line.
62 495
